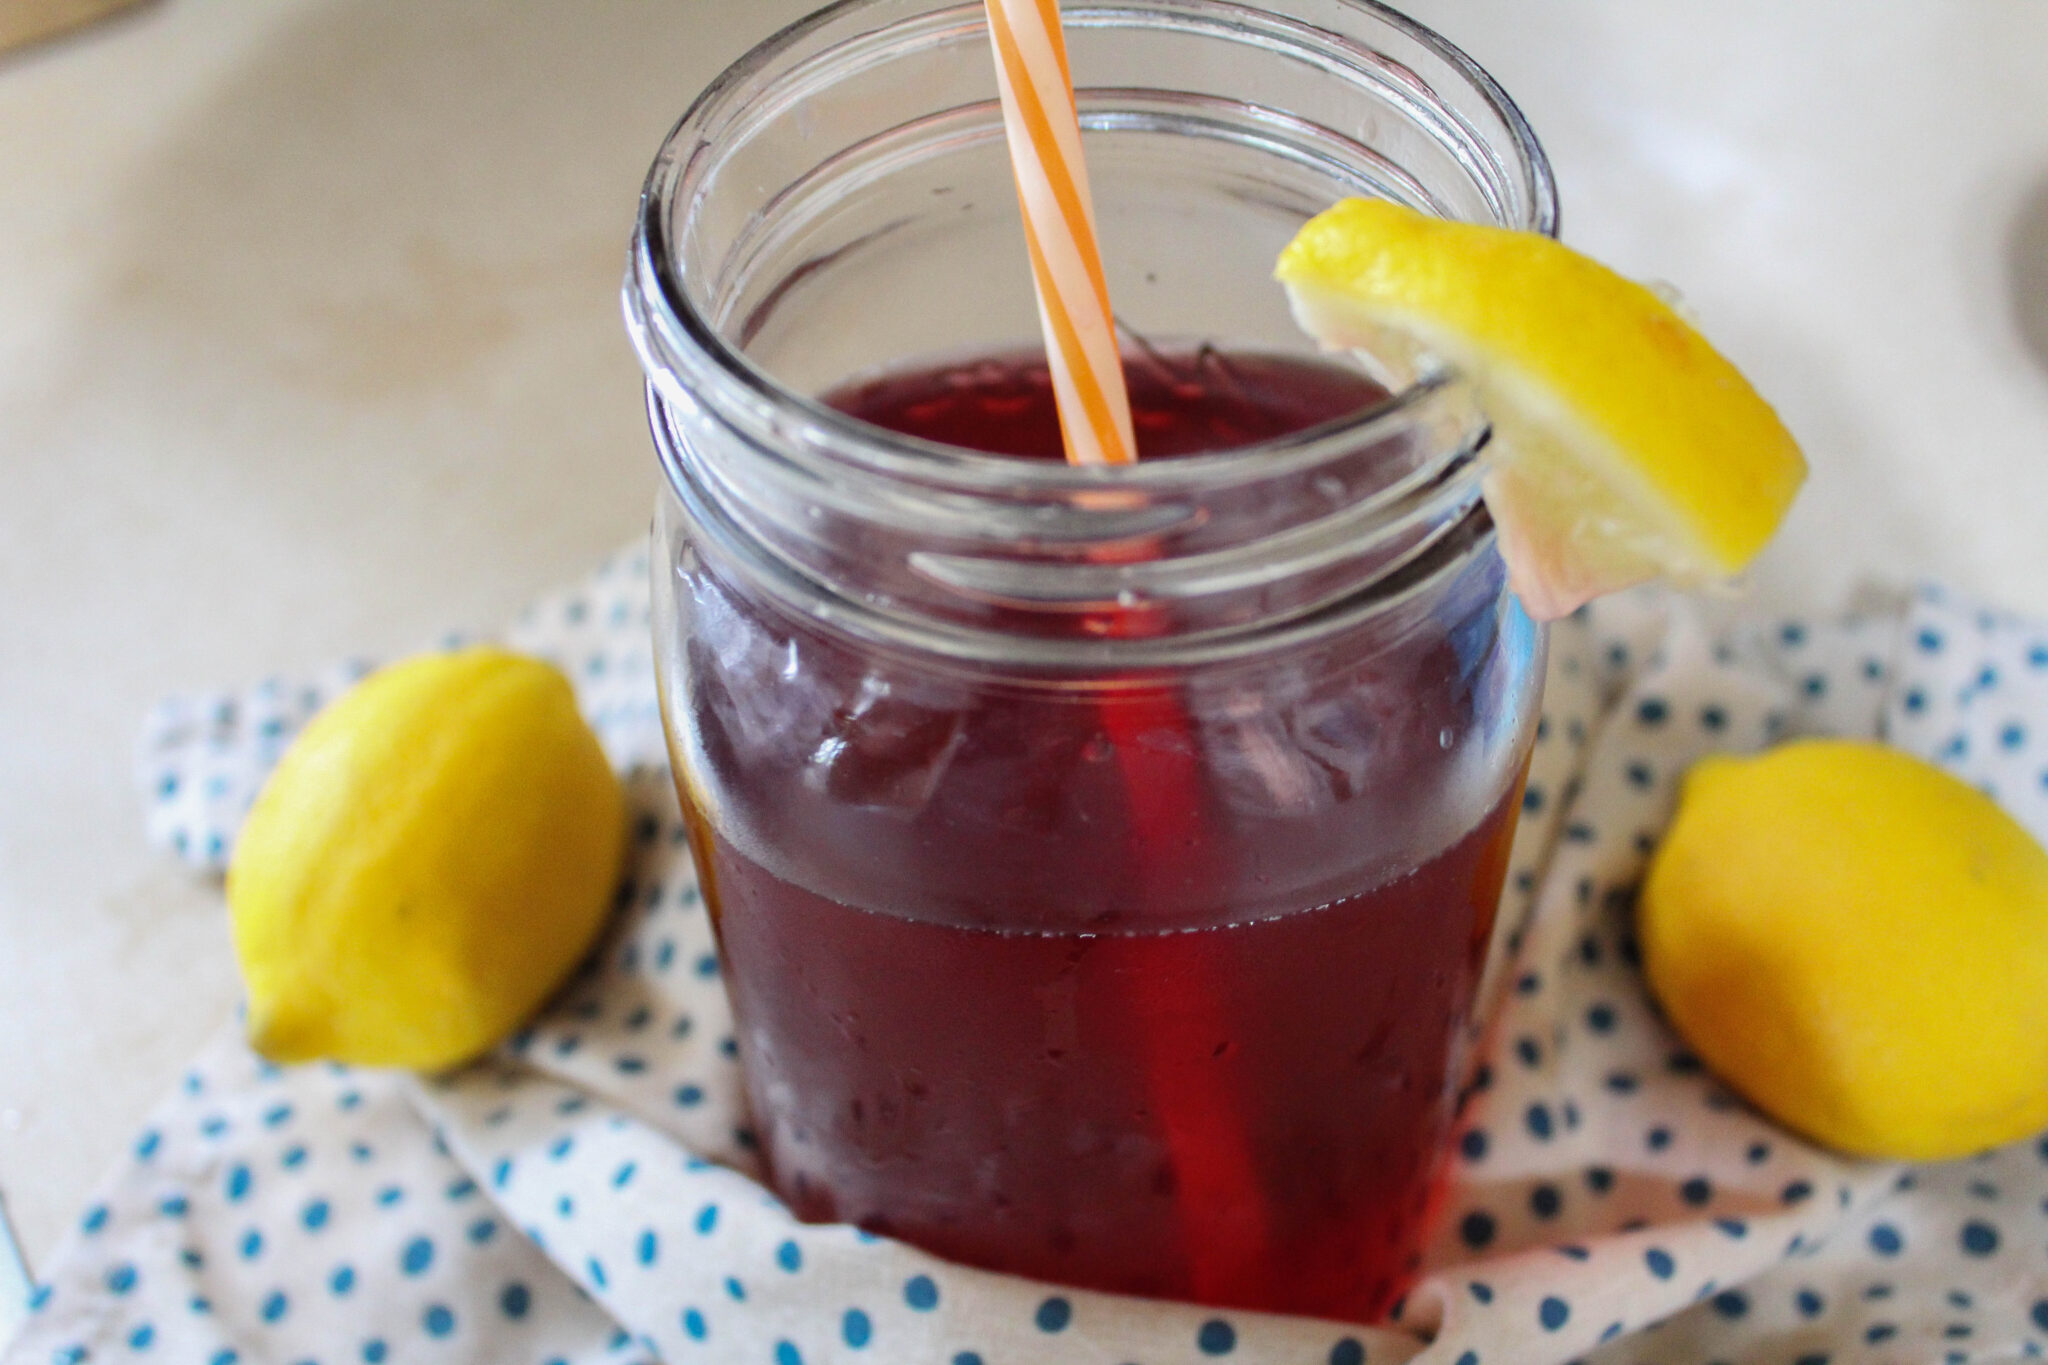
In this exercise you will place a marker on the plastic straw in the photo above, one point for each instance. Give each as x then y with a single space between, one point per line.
1059 231
1219 1195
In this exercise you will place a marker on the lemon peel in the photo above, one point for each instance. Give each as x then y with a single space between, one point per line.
1626 447
430 858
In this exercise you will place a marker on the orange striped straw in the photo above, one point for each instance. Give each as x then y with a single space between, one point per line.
1059 230
1220 1195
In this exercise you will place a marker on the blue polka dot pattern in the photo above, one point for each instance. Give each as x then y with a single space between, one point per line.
587 1196
419 1254
1216 1338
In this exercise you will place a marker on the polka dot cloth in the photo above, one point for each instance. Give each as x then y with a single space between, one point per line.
589 1194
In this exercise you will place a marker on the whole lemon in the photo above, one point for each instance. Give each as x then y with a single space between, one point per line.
1858 942
431 857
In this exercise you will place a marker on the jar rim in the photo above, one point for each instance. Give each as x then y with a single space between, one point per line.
672 334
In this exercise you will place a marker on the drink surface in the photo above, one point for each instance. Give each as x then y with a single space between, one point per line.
1110 990
1183 402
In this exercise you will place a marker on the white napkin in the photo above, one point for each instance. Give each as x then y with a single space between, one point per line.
588 1194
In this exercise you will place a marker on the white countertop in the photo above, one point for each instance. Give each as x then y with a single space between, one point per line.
309 348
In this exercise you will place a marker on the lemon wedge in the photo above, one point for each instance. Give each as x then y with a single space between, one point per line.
1626 448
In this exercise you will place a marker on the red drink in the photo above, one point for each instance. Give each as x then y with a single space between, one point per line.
1182 403
1149 986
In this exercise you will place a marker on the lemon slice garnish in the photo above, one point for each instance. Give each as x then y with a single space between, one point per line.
1626 447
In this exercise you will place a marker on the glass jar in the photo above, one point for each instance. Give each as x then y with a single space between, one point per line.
1103 860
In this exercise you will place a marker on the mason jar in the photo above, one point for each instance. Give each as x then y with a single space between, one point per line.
1103 860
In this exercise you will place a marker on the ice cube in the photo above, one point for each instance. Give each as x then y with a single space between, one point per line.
770 701
884 752
1258 768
